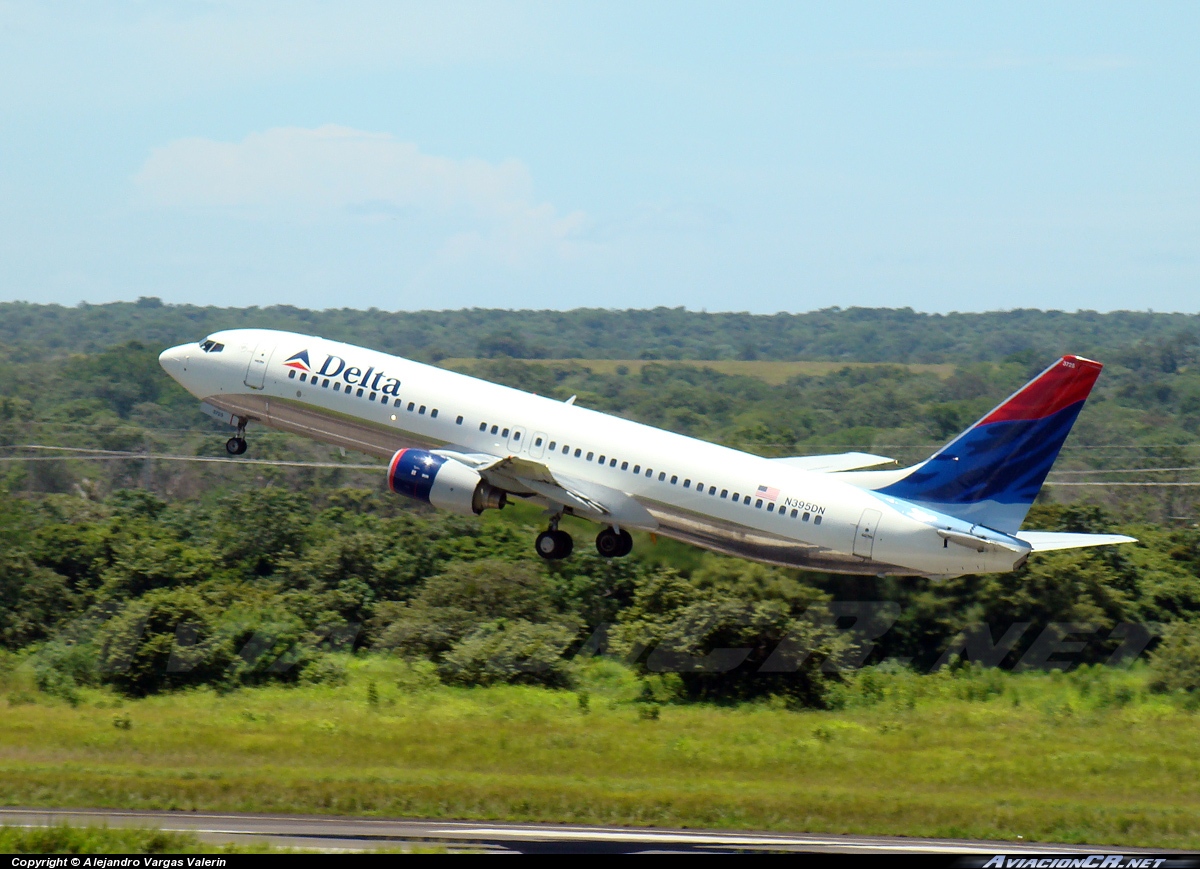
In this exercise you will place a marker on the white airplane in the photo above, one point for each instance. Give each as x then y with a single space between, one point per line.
466 445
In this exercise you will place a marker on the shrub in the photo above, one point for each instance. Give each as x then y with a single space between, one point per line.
454 603
727 642
323 670
1175 664
510 651
139 652
61 668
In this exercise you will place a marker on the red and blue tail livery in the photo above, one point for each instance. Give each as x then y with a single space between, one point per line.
991 473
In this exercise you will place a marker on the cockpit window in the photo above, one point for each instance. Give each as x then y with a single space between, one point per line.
211 346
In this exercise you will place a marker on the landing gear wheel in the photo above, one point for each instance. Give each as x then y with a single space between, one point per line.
614 544
235 446
554 544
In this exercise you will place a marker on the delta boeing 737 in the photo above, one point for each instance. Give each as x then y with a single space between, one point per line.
466 445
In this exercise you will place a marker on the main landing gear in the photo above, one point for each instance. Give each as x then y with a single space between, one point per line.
236 445
611 543
554 544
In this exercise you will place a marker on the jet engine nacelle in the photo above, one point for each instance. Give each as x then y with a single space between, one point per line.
442 482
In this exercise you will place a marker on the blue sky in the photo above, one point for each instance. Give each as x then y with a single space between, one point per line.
738 156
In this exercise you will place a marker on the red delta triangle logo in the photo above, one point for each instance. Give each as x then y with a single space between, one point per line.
299 362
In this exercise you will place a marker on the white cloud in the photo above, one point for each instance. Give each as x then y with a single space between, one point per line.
337 173
117 55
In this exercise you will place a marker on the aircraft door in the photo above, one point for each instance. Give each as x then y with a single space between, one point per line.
256 371
537 445
864 536
516 440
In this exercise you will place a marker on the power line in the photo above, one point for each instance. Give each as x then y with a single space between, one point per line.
1127 471
115 455
211 459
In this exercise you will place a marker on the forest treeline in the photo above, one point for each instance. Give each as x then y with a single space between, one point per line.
151 574
858 334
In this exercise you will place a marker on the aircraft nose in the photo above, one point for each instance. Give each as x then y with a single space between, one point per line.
174 360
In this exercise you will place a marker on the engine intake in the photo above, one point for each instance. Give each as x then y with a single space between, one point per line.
442 482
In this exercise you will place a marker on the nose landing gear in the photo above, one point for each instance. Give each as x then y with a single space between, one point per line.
613 543
236 445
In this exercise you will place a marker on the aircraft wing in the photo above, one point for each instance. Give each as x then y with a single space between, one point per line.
836 462
592 500
1047 541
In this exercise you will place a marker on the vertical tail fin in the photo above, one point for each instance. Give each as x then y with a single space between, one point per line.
991 473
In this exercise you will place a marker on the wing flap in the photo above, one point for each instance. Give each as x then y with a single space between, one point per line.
592 500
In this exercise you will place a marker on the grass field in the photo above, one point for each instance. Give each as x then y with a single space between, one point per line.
1086 757
64 839
770 371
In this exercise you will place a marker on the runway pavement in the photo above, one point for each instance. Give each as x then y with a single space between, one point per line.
329 833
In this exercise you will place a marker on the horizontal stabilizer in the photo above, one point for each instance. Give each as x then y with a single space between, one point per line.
1047 541
833 463
979 543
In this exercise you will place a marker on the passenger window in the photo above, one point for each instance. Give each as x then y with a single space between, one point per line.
411 405
359 392
458 421
516 436
325 383
637 469
746 501
601 460
624 466
662 475
712 490
674 479
495 429
578 452
303 377
649 472
553 446
793 514
817 520
804 518
397 402
337 386
433 413
292 374
687 484
483 426
371 397
422 410
612 463
589 456
757 504
537 442
724 493
770 508
736 496
504 433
